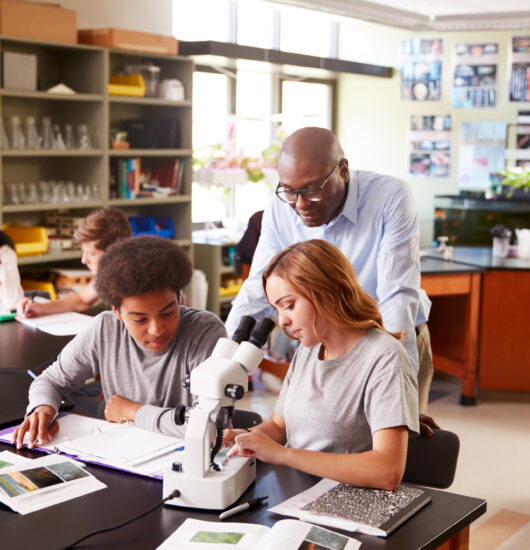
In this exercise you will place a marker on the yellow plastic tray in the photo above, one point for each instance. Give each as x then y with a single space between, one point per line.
29 241
230 289
128 84
28 284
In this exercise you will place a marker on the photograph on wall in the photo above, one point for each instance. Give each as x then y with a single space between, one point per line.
481 154
520 77
522 154
421 69
430 145
475 76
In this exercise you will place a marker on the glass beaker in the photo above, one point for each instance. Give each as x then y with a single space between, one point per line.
32 135
17 136
69 141
47 133
82 137
58 137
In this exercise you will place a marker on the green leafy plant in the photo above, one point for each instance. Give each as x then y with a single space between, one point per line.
514 178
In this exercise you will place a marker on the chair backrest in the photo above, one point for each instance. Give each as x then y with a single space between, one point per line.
432 460
245 419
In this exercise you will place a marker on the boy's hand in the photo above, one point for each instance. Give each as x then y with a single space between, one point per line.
229 435
36 426
119 408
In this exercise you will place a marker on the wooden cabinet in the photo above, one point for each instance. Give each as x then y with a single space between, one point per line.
86 70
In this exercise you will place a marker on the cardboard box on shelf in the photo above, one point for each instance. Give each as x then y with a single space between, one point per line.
20 71
129 40
38 21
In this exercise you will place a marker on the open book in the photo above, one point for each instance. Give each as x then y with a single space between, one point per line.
59 324
121 446
371 511
287 534
28 485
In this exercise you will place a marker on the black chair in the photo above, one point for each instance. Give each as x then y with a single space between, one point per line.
245 419
432 460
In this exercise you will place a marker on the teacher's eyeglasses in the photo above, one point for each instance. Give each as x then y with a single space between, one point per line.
313 194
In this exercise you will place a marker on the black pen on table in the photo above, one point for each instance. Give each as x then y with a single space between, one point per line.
242 507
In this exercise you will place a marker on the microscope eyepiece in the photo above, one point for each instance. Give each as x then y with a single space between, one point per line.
242 333
261 332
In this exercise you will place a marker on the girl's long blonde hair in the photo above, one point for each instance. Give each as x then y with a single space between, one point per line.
322 273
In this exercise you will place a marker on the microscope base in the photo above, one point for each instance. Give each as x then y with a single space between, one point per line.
215 491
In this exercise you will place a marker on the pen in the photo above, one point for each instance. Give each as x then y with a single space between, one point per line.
242 507
29 302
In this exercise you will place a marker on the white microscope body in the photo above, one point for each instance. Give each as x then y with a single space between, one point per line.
218 382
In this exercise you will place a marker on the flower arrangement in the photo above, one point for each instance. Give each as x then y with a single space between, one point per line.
225 156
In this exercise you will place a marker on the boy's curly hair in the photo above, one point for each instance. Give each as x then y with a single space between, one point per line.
138 265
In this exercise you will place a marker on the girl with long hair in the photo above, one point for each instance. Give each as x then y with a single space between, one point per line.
349 400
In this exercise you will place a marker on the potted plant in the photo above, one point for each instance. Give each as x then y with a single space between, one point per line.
514 183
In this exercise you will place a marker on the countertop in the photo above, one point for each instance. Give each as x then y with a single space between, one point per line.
477 256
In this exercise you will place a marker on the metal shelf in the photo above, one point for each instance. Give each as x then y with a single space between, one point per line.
30 94
150 152
150 200
51 206
151 101
50 257
52 153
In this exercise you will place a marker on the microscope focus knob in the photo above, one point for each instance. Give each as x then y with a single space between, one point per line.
179 415
234 391
186 383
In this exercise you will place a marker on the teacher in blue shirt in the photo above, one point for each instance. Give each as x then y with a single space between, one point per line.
370 217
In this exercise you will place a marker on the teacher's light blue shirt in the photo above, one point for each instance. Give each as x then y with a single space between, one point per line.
377 230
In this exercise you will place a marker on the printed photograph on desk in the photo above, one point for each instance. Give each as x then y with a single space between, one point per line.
421 69
286 534
475 76
430 145
520 74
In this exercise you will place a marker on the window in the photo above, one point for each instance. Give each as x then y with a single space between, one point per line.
255 23
306 104
202 20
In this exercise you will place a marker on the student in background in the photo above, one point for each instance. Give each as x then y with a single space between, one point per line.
96 233
142 349
350 398
11 292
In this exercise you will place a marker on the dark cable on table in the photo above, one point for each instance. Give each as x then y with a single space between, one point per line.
174 494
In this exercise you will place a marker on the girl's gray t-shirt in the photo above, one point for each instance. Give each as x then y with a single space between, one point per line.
336 405
130 370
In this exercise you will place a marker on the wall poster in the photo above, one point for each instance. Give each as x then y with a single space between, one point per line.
475 77
520 80
421 69
430 145
481 154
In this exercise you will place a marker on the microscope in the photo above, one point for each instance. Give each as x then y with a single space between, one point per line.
218 382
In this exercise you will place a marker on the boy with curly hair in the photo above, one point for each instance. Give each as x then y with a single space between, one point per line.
142 349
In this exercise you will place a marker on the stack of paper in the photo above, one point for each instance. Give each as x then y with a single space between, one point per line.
60 324
121 446
28 485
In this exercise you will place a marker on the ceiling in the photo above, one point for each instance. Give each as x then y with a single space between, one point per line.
439 15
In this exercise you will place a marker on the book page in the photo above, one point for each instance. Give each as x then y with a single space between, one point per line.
71 426
59 324
194 534
299 535
125 444
36 484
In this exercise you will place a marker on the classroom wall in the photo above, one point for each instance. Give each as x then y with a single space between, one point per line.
373 123
139 15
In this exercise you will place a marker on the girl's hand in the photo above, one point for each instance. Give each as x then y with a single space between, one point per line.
258 444
229 436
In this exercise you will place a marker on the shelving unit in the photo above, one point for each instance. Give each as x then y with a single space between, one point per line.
86 69
209 259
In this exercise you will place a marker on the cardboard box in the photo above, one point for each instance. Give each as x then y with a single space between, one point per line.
129 40
46 22
20 71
